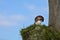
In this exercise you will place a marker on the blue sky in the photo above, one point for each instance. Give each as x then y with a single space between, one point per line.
18 14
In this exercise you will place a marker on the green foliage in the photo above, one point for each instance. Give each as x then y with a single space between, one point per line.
45 32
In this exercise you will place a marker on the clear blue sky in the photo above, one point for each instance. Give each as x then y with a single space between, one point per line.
18 14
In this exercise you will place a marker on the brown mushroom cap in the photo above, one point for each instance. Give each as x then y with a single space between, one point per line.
41 18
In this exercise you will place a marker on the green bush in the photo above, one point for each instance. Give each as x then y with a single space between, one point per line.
45 31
